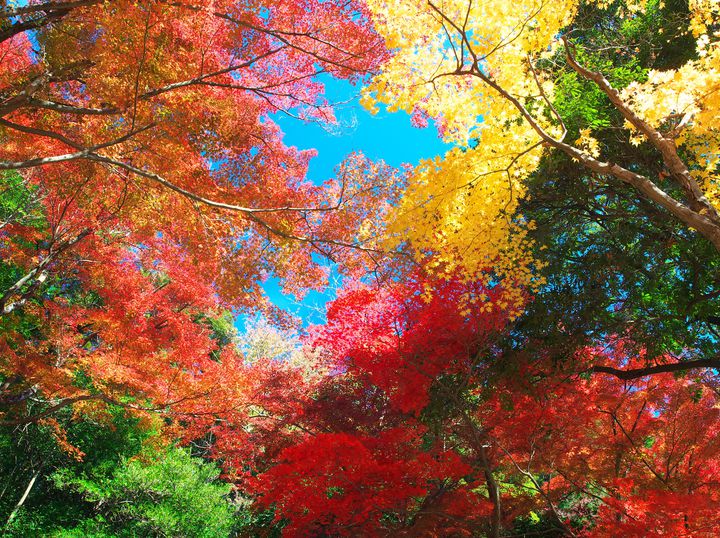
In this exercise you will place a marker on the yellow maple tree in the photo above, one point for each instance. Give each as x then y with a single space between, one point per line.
474 67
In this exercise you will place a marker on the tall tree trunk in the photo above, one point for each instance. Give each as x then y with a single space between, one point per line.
493 493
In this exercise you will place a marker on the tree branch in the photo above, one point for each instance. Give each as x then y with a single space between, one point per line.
635 373
666 146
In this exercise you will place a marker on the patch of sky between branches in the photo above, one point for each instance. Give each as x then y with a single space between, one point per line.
385 135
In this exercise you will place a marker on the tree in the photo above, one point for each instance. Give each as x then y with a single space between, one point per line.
160 108
623 445
109 475
486 73
543 364
617 264
419 432
360 456
156 494
161 192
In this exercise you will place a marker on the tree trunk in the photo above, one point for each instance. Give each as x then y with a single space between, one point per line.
23 498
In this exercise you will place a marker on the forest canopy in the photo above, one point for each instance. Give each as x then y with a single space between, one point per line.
525 340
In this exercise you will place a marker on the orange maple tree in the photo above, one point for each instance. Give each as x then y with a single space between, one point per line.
161 188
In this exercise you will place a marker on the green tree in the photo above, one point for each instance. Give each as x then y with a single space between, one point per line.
108 476
169 493
618 264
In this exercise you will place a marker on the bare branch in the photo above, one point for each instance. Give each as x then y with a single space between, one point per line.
47 7
713 363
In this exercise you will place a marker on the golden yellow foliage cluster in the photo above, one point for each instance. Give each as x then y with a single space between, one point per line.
470 66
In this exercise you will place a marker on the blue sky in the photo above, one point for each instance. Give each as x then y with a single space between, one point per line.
386 136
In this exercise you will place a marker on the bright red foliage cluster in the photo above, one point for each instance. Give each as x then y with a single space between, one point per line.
402 342
420 432
363 461
343 483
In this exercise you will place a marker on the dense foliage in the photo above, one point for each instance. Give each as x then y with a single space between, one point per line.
526 342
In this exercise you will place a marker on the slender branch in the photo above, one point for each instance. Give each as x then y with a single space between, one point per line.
537 486
23 498
17 101
282 36
635 448
206 201
707 227
38 274
699 214
201 78
83 154
71 109
32 24
41 132
545 98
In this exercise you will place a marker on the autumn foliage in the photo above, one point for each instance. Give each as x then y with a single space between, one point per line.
467 450
162 193
492 364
